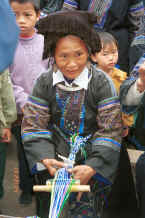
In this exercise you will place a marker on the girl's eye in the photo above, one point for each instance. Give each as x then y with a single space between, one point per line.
63 56
79 54
27 15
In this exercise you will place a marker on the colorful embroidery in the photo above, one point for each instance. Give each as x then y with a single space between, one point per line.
36 119
72 119
108 120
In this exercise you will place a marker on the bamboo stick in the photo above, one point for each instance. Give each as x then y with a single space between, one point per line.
74 188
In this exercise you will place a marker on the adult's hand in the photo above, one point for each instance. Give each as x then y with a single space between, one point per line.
141 79
6 135
83 173
52 165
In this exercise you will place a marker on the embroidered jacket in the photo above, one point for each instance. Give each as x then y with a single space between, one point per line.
54 113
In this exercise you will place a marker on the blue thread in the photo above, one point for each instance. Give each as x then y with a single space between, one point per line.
107 140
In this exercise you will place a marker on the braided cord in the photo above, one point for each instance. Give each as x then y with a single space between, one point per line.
63 181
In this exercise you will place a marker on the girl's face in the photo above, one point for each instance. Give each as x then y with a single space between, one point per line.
107 57
71 56
26 17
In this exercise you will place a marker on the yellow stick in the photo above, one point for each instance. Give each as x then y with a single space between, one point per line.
74 188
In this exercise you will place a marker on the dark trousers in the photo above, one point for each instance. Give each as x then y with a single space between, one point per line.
3 149
42 198
96 198
25 178
140 183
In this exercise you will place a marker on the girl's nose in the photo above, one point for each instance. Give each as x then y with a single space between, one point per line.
71 63
21 19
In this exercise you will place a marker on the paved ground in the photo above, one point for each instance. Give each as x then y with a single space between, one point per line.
9 204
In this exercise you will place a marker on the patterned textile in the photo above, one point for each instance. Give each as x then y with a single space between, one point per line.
140 35
135 70
52 6
63 180
100 8
39 117
107 120
67 102
91 204
70 5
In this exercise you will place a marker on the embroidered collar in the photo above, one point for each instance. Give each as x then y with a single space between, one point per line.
82 80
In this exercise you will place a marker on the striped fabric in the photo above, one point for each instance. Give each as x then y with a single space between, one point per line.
135 73
62 182
100 8
107 120
70 5
135 16
140 35
38 120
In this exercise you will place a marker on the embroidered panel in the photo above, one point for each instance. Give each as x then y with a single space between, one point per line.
72 109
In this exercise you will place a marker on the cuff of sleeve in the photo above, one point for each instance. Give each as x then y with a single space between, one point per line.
8 126
133 92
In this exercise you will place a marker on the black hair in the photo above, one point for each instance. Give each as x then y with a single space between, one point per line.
60 24
107 38
35 3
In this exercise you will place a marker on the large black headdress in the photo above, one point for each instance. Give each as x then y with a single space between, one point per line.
59 24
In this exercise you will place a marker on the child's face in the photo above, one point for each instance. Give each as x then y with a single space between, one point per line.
107 57
26 17
71 56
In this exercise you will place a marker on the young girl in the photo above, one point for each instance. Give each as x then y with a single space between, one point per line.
106 61
72 98
26 67
122 20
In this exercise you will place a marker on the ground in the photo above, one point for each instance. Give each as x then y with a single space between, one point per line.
9 204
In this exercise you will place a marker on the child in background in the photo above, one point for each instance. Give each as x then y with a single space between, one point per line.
25 69
7 116
106 60
69 100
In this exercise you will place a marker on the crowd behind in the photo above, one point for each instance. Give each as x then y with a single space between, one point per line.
53 36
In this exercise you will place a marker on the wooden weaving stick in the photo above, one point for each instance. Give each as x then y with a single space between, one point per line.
76 187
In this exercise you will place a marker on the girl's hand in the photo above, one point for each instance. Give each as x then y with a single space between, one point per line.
22 110
52 165
83 173
6 135
141 80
